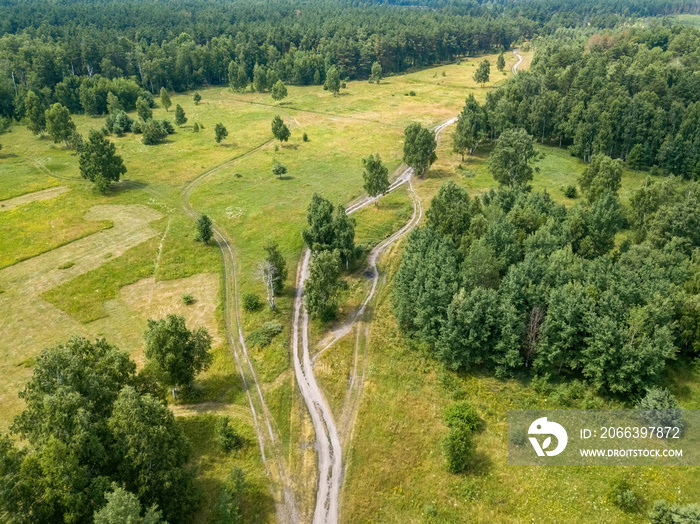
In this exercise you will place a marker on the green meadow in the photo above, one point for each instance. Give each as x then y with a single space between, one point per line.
100 266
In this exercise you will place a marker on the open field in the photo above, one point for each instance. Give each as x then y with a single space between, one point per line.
102 265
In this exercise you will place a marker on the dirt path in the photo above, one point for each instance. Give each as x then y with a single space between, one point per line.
327 436
281 486
520 61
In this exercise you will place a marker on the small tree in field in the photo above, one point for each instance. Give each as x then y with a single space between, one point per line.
482 73
178 353
501 62
59 124
279 90
280 130
143 109
279 169
165 99
332 82
376 176
99 162
376 75
180 117
220 132
197 98
204 230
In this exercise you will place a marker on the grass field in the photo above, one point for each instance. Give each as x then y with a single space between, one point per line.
98 265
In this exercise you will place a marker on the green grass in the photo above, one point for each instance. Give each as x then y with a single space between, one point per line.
395 469
38 227
84 297
18 176
214 467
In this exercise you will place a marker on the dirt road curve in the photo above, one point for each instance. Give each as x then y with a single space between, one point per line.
520 61
328 442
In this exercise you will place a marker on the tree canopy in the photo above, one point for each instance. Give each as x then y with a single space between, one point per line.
85 427
419 148
99 162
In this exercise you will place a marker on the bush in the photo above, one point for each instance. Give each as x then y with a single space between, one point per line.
660 408
622 496
227 438
665 513
462 414
187 299
251 302
137 127
305 137
228 507
411 93
570 191
262 336
459 449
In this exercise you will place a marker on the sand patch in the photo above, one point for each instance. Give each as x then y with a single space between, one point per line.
151 299
46 194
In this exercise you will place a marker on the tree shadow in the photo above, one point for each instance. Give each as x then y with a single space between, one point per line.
285 177
290 146
9 155
437 173
127 185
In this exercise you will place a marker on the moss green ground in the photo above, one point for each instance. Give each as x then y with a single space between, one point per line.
396 443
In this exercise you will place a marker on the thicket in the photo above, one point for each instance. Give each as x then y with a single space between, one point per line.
512 280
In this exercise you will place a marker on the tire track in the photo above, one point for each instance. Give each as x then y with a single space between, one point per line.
327 436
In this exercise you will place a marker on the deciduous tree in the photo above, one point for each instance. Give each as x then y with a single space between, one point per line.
35 113
279 90
279 129
376 177
510 160
99 162
220 132
419 148
165 98
332 82
204 231
178 353
323 286
59 124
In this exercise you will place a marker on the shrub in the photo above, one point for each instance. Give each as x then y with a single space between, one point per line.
665 513
305 137
137 127
411 93
570 191
227 438
262 336
462 414
459 449
251 302
660 408
66 265
187 299
621 494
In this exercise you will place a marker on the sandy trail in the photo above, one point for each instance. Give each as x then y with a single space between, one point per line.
327 436
520 61
262 418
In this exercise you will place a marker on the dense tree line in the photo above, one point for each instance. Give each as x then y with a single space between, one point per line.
512 280
75 53
633 95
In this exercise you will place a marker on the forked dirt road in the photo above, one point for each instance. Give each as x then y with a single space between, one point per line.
327 437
